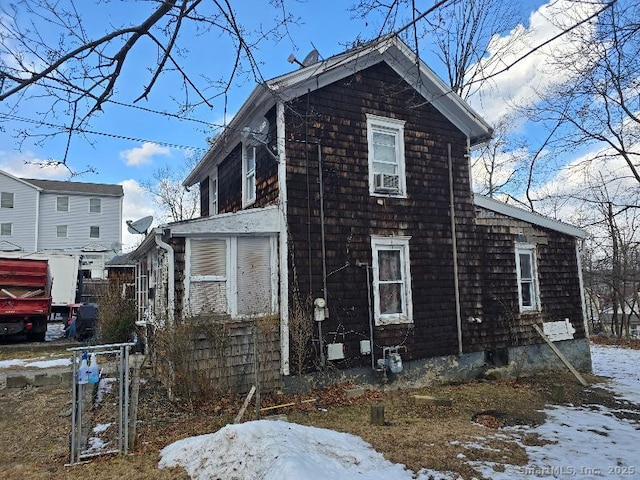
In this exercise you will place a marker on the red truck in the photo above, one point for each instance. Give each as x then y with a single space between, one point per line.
25 297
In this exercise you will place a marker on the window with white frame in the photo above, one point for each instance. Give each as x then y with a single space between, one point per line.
248 175
526 270
213 196
385 137
6 229
94 232
62 231
207 286
62 204
391 280
6 199
95 205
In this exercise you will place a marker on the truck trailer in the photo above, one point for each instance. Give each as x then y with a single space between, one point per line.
25 297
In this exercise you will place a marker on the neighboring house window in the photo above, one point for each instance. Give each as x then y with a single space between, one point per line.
385 138
527 278
213 196
249 175
6 229
94 232
95 205
391 280
6 200
61 231
62 204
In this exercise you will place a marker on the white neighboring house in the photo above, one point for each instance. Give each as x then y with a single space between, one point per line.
59 216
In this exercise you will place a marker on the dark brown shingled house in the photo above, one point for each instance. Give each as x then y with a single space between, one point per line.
342 190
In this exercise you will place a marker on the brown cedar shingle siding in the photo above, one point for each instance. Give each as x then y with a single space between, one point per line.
337 118
230 182
204 197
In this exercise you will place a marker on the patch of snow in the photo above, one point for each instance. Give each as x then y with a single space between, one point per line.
622 368
102 427
104 386
55 331
36 363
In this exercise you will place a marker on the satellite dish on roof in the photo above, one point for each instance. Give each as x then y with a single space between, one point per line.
139 226
116 247
256 132
310 59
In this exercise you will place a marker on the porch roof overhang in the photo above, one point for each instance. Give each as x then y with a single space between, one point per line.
526 216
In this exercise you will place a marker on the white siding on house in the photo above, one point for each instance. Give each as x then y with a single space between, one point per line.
23 216
79 221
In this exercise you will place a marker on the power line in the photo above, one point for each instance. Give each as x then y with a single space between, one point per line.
104 134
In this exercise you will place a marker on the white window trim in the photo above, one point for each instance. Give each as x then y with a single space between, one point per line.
531 250
389 125
10 234
248 197
99 205
213 195
94 226
13 199
66 228
57 205
400 243
188 278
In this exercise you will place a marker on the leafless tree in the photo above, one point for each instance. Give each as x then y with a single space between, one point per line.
173 200
68 59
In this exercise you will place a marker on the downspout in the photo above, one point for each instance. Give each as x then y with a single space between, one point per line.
454 245
583 300
324 252
283 241
171 278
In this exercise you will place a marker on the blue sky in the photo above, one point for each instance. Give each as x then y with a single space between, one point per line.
120 154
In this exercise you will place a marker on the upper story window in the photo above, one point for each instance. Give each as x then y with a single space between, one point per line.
94 232
62 231
527 273
6 199
248 175
385 138
6 229
213 196
62 204
391 280
95 205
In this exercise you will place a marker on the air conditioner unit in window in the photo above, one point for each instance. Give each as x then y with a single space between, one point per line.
384 182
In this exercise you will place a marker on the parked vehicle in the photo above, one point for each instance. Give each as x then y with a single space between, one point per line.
25 297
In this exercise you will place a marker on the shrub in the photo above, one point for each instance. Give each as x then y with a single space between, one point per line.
116 316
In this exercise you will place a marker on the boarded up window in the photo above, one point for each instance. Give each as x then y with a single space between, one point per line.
254 275
207 289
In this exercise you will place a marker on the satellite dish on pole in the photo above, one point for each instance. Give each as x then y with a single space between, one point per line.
256 132
139 226
116 247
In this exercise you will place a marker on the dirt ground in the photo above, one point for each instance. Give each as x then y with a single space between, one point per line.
35 424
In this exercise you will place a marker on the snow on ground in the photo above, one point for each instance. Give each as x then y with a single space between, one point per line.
40 362
585 443
55 331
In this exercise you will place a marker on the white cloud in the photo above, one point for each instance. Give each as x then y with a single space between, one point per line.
144 154
137 204
523 83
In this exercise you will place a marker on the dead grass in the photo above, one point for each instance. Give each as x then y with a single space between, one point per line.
34 425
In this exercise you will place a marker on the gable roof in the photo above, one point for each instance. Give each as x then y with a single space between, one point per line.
58 186
526 216
20 180
389 49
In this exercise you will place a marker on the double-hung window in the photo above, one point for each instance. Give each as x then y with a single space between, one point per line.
62 204
94 232
391 280
6 199
526 270
248 175
95 205
6 229
213 196
385 137
62 231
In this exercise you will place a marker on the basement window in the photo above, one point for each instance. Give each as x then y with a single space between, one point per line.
385 138
391 280
526 271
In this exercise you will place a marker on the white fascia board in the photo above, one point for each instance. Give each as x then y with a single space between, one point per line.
530 217
147 244
251 221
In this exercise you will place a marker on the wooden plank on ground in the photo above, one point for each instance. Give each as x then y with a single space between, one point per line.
245 404
560 356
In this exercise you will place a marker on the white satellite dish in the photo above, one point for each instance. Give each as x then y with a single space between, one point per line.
257 132
139 226
311 58
116 247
